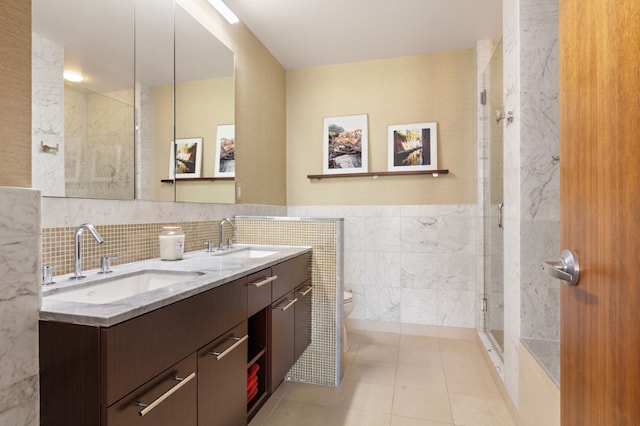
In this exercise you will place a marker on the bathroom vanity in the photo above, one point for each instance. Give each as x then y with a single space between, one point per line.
178 354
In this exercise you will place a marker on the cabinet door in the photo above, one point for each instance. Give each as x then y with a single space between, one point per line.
282 338
222 380
169 399
303 319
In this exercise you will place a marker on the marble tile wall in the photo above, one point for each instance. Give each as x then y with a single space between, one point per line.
47 116
530 34
19 304
63 212
408 264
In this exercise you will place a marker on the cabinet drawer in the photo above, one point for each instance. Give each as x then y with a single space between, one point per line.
259 291
290 274
170 399
135 351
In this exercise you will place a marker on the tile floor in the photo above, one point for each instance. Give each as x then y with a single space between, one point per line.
396 380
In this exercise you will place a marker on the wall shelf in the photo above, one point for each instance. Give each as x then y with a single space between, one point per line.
374 175
201 179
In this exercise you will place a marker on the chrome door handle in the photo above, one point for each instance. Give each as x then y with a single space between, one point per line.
264 281
500 207
148 407
567 269
238 342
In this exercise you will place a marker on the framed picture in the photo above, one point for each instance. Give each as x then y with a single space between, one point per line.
345 144
225 162
413 147
186 158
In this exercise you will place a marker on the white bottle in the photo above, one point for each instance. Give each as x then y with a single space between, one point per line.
171 242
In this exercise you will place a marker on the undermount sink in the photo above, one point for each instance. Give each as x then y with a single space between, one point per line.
247 252
117 288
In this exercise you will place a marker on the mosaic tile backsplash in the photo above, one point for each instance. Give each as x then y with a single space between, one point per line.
129 242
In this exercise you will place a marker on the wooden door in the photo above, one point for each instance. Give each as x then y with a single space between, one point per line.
600 210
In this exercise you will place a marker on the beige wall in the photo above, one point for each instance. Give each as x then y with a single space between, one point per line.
200 107
437 87
15 86
260 110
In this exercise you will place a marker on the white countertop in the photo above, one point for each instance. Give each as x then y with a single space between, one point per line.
216 270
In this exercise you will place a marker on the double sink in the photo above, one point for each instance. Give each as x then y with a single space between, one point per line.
154 282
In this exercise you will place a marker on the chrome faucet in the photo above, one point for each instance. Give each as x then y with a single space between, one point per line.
78 253
222 222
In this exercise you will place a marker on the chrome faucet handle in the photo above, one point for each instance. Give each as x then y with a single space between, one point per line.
105 264
230 243
47 275
209 246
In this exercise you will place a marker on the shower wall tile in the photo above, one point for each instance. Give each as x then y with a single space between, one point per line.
531 172
404 255
20 288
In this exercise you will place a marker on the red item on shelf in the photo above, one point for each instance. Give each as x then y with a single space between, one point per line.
253 369
252 394
251 381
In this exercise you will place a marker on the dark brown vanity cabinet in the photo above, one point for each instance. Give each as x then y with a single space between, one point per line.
186 363
101 375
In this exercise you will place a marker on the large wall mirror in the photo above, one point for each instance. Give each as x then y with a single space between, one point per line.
152 74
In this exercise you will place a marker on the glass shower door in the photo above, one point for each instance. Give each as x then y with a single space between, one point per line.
493 201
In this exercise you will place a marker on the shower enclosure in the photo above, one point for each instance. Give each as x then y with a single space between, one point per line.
494 119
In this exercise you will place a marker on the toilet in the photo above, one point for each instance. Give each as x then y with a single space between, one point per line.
347 308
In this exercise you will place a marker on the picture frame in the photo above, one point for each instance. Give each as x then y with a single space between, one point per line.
412 147
345 144
186 158
225 159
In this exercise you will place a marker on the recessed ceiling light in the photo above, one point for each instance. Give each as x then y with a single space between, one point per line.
73 76
225 11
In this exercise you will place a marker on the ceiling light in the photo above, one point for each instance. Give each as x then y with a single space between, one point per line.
224 10
73 76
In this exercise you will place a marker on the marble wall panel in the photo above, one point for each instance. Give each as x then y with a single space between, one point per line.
408 264
19 304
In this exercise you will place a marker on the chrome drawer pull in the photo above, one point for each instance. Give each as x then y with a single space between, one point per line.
239 340
258 284
148 407
307 291
288 305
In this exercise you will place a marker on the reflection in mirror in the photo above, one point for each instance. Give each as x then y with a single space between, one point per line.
204 108
82 132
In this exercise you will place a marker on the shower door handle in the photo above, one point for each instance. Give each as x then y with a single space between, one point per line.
567 269
500 207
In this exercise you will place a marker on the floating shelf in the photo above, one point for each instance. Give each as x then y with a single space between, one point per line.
201 179
374 175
